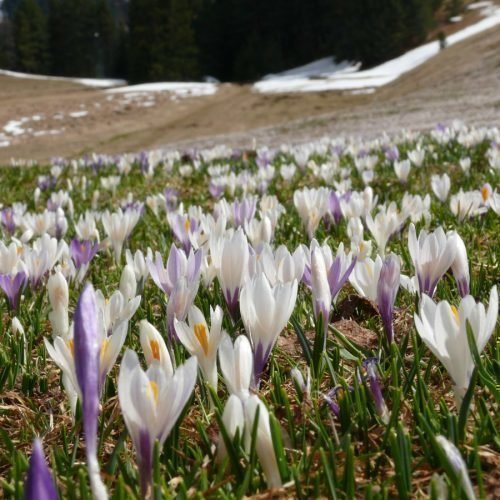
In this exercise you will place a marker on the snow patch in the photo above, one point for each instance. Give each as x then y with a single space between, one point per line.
325 74
78 114
182 89
88 82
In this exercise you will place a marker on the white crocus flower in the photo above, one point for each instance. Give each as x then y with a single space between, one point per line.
59 298
417 157
233 271
265 311
138 261
154 347
151 403
128 284
458 464
441 186
233 419
259 231
236 364
365 275
264 442
467 204
384 225
402 170
311 204
118 227
201 341
443 328
432 255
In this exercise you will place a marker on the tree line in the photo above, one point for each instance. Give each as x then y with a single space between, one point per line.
232 40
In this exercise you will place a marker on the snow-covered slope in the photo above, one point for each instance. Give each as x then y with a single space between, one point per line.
325 74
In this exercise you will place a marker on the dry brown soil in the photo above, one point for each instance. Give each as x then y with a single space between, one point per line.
462 82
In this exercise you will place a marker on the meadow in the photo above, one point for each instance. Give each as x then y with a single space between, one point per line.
316 320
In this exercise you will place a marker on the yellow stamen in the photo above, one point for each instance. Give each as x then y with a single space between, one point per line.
485 193
187 225
155 349
454 310
71 346
153 387
200 333
104 348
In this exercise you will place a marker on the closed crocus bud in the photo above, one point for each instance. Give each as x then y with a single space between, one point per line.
460 266
16 326
95 199
236 364
128 285
303 385
39 482
59 298
264 441
387 289
458 465
233 420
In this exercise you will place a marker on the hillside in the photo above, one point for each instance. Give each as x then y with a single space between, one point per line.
461 82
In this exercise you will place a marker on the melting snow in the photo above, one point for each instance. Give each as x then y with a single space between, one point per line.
89 82
182 89
325 74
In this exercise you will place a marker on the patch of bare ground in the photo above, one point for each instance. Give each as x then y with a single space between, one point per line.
461 82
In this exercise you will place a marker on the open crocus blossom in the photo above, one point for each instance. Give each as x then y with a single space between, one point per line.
151 403
201 341
87 347
265 311
387 289
444 329
39 482
154 347
432 255
236 364
365 276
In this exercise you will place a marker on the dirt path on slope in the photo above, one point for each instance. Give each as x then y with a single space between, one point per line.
64 119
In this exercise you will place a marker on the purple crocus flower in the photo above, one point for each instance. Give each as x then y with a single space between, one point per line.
183 226
7 220
334 211
87 348
370 365
387 289
13 285
216 190
178 265
83 251
171 199
392 153
244 211
39 482
332 398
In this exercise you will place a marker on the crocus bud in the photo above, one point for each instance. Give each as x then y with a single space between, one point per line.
370 366
233 419
87 347
39 482
58 297
460 266
387 289
16 326
128 285
458 464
